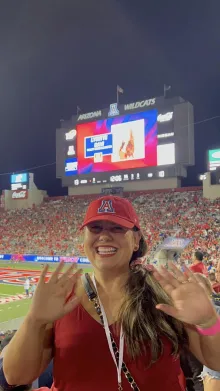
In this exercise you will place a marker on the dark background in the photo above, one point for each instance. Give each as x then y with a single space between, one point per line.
57 54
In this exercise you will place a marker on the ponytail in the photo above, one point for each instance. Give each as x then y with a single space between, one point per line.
142 323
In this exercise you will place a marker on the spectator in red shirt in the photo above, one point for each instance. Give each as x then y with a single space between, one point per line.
198 266
215 284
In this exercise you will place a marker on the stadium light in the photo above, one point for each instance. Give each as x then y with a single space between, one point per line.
202 177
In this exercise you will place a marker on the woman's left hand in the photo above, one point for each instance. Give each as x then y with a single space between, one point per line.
191 303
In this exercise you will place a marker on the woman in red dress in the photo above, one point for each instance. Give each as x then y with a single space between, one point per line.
124 326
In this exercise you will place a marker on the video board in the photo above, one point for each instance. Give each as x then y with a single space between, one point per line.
19 181
142 140
213 159
114 144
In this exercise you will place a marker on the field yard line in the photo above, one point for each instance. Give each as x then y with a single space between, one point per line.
26 271
10 283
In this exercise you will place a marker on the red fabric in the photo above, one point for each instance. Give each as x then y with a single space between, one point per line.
83 362
199 268
112 208
216 287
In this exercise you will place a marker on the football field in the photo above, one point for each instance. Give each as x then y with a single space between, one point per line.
13 301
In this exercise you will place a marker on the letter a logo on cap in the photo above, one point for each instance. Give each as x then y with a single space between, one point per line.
106 207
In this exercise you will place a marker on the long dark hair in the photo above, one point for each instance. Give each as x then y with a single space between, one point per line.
142 323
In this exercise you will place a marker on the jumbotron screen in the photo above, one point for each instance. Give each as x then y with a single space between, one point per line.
142 140
113 144
19 181
213 159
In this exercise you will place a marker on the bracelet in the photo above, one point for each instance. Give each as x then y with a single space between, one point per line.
210 331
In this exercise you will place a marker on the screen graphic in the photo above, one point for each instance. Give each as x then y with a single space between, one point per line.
20 181
125 142
214 159
19 178
71 166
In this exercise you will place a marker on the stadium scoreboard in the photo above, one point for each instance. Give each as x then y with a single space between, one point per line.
146 139
19 181
213 159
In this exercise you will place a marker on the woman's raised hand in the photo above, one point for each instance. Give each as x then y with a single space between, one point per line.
52 300
190 302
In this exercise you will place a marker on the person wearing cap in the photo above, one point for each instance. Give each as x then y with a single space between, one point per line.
122 327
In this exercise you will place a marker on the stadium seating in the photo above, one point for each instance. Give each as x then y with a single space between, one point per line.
53 227
180 214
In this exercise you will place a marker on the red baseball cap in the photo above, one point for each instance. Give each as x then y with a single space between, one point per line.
111 208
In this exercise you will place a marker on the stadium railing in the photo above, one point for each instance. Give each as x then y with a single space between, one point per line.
12 324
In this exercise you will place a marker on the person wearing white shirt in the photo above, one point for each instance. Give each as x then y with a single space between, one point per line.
27 286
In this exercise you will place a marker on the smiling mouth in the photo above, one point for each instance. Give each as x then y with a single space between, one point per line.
106 250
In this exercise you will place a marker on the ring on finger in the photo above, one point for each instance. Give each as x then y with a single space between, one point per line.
182 280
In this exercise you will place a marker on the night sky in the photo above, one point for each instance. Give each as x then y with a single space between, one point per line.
57 54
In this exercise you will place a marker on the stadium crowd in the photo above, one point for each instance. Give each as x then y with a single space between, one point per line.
53 227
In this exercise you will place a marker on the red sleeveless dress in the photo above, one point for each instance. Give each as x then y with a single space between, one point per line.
83 362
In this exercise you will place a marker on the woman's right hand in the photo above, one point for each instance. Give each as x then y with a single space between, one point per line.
50 301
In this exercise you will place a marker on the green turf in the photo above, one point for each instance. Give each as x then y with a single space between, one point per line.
18 309
9 290
13 310
37 266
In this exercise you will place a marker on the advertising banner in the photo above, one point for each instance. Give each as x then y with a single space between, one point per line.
172 243
19 195
42 258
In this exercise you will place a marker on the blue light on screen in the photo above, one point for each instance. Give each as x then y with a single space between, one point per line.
19 178
71 166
